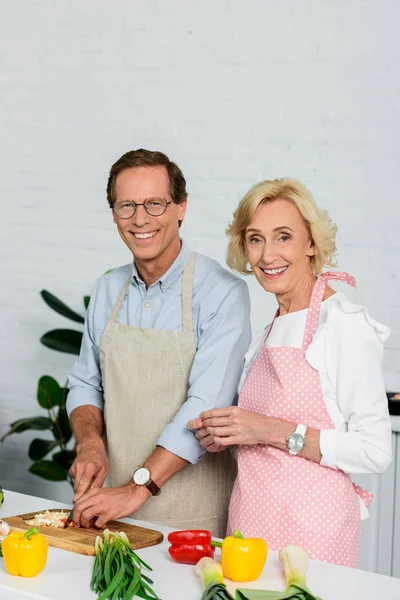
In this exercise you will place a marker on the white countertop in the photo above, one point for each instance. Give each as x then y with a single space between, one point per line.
67 575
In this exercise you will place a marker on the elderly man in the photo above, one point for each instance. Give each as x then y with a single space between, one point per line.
164 340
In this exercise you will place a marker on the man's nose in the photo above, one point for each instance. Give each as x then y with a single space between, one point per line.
141 216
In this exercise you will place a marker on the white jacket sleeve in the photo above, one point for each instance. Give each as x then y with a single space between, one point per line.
353 353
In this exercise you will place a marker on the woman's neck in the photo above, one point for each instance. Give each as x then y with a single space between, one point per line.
298 298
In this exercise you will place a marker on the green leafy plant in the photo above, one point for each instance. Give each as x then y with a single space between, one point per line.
52 398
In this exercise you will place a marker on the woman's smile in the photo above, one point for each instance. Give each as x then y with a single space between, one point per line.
274 273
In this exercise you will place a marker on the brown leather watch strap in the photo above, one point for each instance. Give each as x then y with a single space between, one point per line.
153 488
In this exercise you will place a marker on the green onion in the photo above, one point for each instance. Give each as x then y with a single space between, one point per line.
117 570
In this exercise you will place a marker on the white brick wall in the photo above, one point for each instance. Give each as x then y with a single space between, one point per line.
234 92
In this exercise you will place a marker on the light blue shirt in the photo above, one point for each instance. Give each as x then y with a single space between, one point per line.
221 326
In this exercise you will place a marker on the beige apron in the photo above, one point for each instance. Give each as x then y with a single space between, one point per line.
145 376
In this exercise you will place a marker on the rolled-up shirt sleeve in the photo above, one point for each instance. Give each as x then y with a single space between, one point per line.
223 339
353 359
84 381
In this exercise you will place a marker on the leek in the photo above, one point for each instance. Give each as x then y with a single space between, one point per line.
213 580
294 561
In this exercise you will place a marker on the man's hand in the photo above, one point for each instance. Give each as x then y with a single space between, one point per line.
90 467
98 506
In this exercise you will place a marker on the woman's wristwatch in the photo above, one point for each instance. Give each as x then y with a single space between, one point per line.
296 441
142 477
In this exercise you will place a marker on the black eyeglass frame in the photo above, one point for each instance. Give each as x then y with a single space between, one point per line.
136 204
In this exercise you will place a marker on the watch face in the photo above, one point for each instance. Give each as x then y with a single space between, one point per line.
296 442
141 476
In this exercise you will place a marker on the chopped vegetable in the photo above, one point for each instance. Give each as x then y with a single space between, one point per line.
49 518
190 545
213 580
294 560
67 523
243 559
25 554
117 571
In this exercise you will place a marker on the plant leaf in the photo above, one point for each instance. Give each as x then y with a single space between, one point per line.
39 448
49 393
63 340
65 458
60 307
48 469
21 425
86 301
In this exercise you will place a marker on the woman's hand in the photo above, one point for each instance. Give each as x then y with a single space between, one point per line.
230 426
221 427
206 440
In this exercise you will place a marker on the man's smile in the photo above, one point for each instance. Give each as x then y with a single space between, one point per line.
143 235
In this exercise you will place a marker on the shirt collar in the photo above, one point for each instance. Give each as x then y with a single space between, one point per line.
171 274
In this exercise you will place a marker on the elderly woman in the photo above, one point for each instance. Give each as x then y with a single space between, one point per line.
312 405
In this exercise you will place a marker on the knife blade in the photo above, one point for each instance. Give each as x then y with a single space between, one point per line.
69 519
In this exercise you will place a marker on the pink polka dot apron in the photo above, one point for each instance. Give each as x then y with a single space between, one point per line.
288 499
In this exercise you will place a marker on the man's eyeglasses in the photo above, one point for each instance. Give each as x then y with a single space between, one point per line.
125 209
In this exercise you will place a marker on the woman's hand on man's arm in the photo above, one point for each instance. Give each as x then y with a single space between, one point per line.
229 426
221 427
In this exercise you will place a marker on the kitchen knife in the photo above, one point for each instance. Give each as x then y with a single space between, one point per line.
69 522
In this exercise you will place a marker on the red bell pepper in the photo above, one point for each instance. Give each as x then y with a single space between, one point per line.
190 554
190 545
190 536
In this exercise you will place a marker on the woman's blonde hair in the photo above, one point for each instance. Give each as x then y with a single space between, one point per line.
318 222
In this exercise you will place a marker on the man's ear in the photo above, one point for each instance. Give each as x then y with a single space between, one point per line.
182 211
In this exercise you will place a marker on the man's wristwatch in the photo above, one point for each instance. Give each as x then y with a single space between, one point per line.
296 440
142 477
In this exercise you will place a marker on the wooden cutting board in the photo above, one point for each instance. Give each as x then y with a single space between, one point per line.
81 540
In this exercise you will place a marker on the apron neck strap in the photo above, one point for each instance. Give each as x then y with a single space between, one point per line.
187 294
316 300
120 300
272 323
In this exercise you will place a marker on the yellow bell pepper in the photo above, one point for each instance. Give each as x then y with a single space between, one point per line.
243 559
25 554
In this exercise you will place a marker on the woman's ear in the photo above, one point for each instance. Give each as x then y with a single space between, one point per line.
311 248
